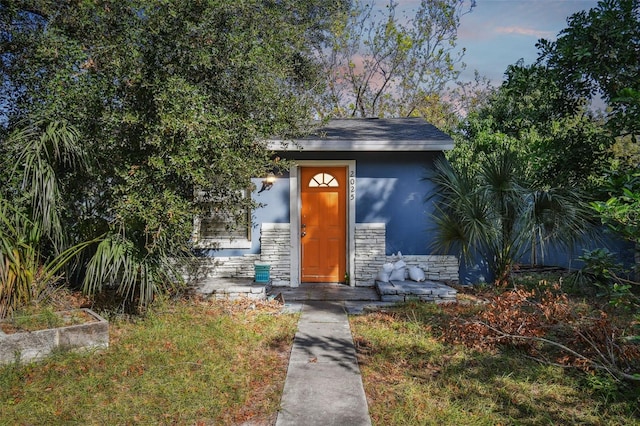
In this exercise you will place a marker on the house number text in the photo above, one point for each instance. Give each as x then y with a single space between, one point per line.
352 185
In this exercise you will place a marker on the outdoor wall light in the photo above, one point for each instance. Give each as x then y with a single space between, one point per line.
268 182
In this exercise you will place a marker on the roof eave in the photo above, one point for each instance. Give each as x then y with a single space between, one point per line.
360 145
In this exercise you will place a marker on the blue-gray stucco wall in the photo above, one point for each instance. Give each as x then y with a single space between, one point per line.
477 271
390 188
273 207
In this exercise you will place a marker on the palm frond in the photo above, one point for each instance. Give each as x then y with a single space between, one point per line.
38 154
560 218
136 277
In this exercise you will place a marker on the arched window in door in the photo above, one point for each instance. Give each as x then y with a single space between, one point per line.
323 180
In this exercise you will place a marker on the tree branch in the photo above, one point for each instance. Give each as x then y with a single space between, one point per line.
606 365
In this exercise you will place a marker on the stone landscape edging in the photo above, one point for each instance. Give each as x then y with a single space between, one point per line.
30 346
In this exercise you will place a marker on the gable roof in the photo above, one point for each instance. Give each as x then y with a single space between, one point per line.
370 134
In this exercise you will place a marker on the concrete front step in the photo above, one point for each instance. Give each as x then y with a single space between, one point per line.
393 291
325 291
404 291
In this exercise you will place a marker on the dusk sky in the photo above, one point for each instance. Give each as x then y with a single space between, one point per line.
500 32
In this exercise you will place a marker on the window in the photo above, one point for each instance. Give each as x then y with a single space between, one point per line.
323 180
220 228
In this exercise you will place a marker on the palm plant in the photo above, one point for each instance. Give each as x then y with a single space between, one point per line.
34 246
137 275
32 250
497 216
25 273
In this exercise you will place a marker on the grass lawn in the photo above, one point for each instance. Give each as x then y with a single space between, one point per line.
184 363
412 376
190 362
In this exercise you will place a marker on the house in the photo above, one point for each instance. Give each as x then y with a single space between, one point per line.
354 198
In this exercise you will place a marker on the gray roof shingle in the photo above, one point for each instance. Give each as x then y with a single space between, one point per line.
371 134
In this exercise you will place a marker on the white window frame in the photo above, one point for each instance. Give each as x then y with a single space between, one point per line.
221 241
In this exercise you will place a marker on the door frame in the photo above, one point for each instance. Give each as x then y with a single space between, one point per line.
296 207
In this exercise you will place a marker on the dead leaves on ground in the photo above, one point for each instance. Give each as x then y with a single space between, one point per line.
548 326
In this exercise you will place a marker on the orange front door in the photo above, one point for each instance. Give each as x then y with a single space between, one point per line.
323 224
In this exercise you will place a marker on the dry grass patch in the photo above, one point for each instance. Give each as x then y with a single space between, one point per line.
413 374
185 362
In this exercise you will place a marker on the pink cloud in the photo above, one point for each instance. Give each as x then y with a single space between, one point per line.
525 31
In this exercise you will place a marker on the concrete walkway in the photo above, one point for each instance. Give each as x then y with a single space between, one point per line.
323 384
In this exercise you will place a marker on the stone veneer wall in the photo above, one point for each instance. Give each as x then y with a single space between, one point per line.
370 239
370 256
275 250
226 266
436 267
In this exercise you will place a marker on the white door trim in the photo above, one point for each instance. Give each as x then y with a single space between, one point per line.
295 207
